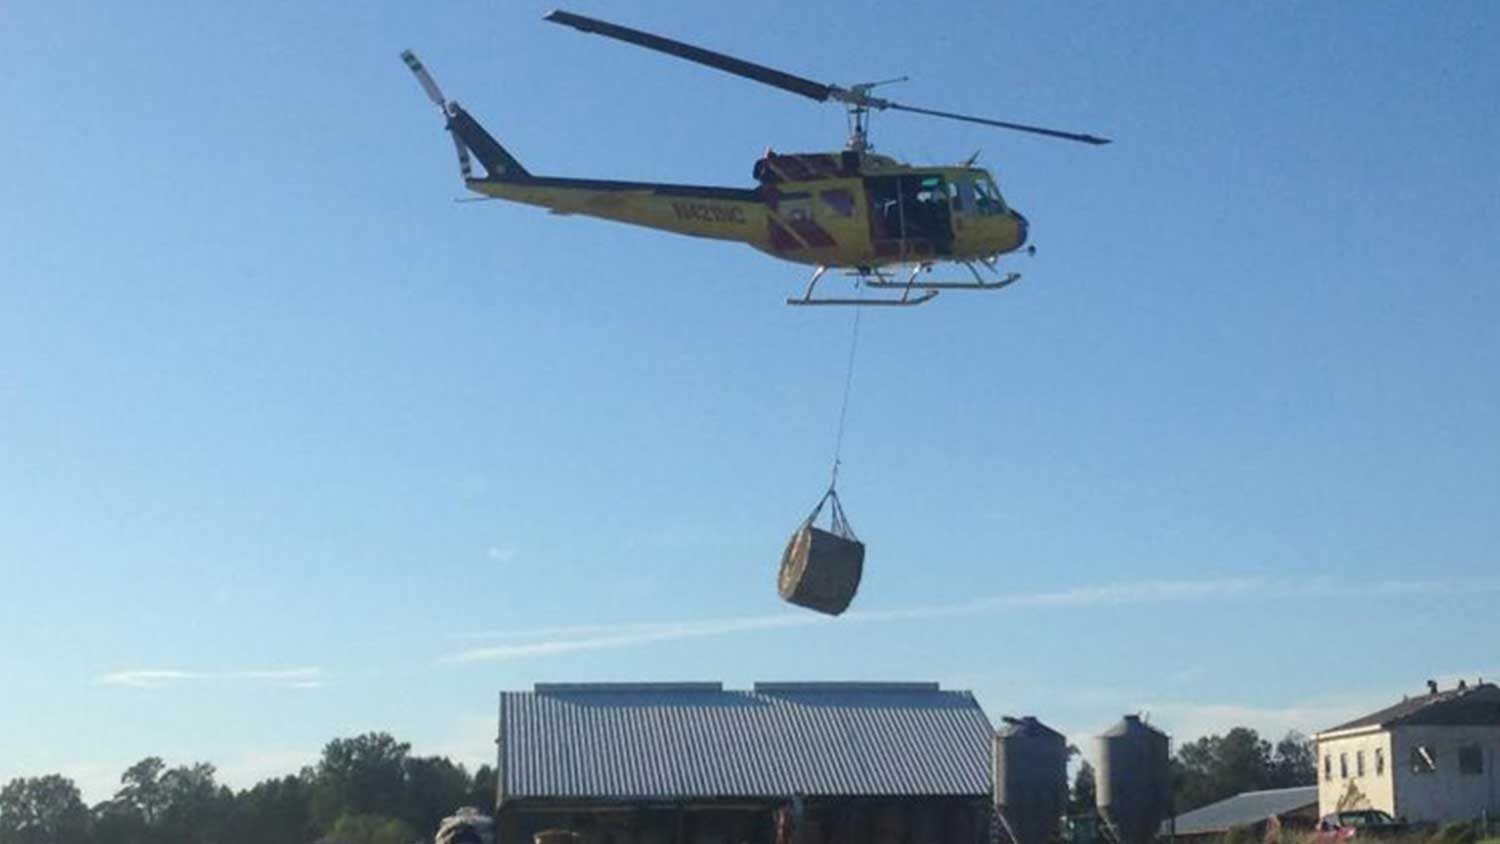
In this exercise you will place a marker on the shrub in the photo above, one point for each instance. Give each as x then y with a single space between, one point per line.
1454 833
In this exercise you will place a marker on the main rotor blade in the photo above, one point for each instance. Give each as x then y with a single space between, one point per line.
1019 127
729 64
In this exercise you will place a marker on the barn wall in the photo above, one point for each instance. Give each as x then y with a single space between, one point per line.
1340 783
831 821
1448 793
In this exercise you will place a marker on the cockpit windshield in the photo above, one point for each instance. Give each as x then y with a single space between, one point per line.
987 200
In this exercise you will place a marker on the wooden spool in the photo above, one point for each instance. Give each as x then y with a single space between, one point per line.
821 570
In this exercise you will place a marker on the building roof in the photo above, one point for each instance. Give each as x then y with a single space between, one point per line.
1243 809
698 740
1027 726
1464 705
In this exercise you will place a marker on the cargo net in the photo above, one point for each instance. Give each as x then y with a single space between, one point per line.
838 523
821 569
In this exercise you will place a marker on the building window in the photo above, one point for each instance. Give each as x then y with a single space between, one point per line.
1328 766
1470 759
1343 766
1359 763
1423 760
1379 761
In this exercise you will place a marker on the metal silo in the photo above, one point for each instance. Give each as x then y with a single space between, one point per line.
1031 779
1134 780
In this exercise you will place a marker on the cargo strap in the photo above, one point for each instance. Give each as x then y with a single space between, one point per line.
839 523
838 443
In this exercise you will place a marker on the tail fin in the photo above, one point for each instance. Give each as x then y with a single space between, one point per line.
498 162
468 135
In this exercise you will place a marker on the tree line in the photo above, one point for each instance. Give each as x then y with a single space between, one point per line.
1215 767
363 790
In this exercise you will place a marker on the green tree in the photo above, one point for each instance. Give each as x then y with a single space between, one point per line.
1295 762
1244 763
1082 798
1215 767
484 790
369 829
195 808
120 823
161 805
274 810
141 789
435 787
364 775
42 810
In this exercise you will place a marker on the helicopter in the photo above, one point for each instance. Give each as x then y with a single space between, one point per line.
855 211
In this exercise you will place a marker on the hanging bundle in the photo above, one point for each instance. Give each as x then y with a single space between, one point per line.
820 569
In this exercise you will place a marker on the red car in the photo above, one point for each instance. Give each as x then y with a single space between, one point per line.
1364 823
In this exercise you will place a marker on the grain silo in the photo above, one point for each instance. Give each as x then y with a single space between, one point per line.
1031 779
1134 781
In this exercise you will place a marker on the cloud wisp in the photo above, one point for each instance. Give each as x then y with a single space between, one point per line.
155 678
561 640
627 635
550 641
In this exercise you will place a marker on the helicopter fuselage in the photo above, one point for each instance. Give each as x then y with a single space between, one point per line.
825 209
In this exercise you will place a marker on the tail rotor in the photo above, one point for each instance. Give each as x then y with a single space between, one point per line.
434 93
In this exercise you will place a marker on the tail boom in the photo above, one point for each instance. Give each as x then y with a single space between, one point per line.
698 210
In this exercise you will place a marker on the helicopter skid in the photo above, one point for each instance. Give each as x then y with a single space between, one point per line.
905 301
880 281
935 286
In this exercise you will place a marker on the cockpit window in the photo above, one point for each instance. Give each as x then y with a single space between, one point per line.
987 199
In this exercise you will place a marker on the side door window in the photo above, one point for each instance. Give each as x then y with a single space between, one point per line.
933 213
963 196
884 194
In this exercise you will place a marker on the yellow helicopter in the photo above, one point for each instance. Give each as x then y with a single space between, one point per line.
865 214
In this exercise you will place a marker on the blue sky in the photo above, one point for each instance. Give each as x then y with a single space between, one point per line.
323 452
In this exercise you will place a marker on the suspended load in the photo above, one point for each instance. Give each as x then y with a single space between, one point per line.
821 568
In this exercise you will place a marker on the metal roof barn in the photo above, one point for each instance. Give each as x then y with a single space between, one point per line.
687 741
1246 809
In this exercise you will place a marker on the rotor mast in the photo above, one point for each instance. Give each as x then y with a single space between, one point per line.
857 102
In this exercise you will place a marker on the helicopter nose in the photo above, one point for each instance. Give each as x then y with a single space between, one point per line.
1023 227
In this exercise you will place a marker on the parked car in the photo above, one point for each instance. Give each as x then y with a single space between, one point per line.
1360 823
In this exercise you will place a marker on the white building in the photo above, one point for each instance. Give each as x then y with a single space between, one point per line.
1427 758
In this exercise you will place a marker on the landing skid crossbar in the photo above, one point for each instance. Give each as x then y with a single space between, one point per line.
978 283
865 276
914 291
934 286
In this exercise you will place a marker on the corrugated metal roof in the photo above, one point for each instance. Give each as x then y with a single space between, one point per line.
1478 704
1243 809
672 741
